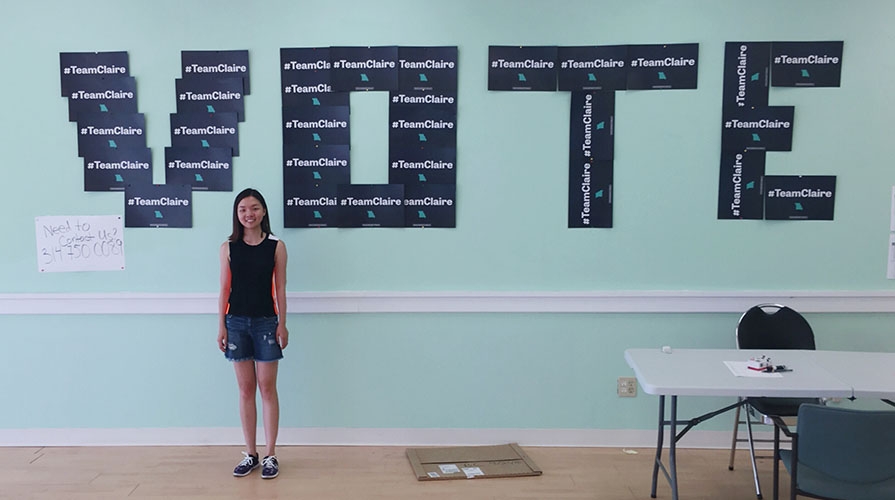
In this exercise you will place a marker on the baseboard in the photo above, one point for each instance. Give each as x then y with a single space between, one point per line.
232 436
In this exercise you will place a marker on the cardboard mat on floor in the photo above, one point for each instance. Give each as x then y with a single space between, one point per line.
471 462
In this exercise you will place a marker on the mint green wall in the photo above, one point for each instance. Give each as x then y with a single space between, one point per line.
512 148
438 370
549 371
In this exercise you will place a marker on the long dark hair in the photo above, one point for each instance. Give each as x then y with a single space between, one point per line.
238 230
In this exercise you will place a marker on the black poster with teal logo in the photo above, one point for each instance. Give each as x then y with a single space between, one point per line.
210 95
316 125
800 197
430 205
422 164
806 64
104 94
661 67
747 72
435 100
205 130
75 67
213 64
427 69
417 126
310 206
204 169
592 126
767 129
158 205
104 131
593 68
364 68
522 68
308 165
107 169
590 194
740 194
371 205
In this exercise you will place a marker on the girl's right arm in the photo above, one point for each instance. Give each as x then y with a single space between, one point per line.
224 296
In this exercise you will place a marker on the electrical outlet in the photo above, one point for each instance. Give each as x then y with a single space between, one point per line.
627 387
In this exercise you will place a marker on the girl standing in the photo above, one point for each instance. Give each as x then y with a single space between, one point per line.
252 329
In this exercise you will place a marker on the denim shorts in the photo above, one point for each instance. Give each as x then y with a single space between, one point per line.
252 338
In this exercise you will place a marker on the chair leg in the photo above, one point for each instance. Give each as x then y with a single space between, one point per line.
752 456
776 460
733 442
794 475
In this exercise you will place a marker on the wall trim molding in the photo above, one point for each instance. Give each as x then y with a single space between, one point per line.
646 301
326 436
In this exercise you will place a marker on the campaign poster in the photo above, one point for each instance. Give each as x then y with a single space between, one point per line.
418 126
592 126
205 130
102 131
747 73
75 67
309 206
768 129
309 165
800 197
513 67
210 95
107 169
104 94
662 67
740 194
426 69
806 64
422 165
158 205
304 62
216 64
593 67
204 169
316 125
590 194
435 100
364 68
430 205
371 205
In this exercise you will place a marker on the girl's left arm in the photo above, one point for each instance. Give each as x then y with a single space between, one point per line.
279 276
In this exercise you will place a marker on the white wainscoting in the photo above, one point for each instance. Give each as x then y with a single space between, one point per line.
649 301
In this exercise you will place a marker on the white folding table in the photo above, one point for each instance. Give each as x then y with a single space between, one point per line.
702 372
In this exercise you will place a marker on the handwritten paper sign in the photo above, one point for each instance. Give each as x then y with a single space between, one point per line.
79 243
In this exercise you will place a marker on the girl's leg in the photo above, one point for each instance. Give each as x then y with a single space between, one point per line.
267 384
248 413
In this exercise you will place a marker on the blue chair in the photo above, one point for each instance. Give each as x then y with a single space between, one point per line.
841 454
768 326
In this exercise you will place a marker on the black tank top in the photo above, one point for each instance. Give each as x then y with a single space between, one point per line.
251 278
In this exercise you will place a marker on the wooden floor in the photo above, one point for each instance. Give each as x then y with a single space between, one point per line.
321 473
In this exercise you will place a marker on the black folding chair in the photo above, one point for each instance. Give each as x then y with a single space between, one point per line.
768 326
